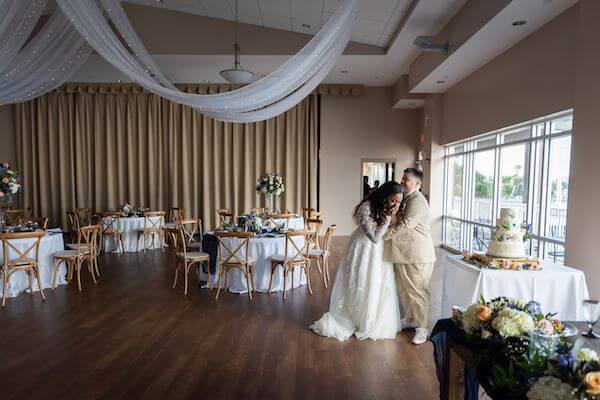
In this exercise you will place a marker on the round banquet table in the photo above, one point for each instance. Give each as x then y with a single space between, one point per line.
128 227
261 249
50 244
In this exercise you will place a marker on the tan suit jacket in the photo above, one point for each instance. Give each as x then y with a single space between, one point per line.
409 240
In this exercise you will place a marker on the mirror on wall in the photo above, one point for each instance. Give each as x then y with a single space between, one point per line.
375 173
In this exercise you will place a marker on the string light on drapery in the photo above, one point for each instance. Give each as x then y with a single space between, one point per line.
81 25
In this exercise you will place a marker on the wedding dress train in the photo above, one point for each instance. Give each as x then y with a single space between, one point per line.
364 300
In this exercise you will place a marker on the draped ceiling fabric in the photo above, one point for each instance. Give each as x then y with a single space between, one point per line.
100 145
265 98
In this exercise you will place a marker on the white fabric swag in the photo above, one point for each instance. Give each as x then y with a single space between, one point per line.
64 43
263 99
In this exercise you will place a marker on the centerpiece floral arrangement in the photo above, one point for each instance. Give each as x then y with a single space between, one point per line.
525 354
270 184
127 209
10 182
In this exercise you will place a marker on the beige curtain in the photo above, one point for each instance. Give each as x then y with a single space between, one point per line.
100 145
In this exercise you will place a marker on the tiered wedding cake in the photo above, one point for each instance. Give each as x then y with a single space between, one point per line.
507 241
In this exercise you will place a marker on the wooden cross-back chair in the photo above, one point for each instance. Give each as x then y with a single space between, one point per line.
225 216
85 251
313 224
41 221
24 260
110 223
153 227
84 216
189 259
321 256
296 255
176 215
192 232
234 257
14 216
73 225
281 216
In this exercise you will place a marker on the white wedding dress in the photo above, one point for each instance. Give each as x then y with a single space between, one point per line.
364 300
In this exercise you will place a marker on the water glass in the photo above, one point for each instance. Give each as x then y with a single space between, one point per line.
591 314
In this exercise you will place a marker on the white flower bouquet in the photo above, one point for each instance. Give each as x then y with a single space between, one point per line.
270 184
127 209
9 182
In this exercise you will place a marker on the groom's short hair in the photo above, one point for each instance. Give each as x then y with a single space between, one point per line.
417 173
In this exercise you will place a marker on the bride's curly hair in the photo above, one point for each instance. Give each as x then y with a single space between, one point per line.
377 200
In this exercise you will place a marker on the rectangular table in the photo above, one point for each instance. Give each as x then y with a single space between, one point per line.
557 288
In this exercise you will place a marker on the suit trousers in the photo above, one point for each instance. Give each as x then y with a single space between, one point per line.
413 285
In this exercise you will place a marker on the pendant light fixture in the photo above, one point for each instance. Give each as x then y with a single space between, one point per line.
237 74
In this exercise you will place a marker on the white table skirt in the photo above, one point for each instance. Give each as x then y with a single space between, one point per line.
261 249
557 288
128 226
50 244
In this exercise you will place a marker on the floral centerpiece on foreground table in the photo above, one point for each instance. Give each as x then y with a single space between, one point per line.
9 183
270 184
526 354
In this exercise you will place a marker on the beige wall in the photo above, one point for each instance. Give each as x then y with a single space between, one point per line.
7 134
533 78
356 128
584 186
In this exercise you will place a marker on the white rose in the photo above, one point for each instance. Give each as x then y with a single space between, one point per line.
14 188
513 323
586 355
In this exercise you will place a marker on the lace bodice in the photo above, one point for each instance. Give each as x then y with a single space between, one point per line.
373 231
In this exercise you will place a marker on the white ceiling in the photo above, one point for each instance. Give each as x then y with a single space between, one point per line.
427 17
377 19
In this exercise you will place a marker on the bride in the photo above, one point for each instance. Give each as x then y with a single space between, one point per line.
364 300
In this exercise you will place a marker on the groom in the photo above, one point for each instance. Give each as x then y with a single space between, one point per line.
409 246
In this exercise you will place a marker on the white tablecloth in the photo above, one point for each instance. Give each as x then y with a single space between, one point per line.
51 243
557 288
128 227
294 223
261 249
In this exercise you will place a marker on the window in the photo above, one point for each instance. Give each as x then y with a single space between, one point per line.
524 167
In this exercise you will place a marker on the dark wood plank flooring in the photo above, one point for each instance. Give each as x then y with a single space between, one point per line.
133 336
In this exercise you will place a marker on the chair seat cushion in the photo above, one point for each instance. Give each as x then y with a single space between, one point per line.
69 254
194 255
73 246
282 258
317 253
194 245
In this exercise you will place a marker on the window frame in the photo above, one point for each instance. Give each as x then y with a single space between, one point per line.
536 184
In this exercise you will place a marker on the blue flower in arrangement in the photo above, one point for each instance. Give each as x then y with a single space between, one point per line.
534 308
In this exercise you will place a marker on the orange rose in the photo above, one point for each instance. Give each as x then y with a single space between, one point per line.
483 313
592 383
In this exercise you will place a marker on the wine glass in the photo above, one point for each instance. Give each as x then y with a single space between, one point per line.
591 314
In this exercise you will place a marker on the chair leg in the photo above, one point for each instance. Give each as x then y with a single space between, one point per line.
292 269
39 281
322 271
120 242
4 287
90 263
284 279
78 266
30 283
248 283
54 273
220 273
137 244
162 241
176 275
273 266
305 267
96 264
186 270
207 266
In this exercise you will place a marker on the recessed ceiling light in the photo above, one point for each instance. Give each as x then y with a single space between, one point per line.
440 82
206 81
344 71
519 22
118 81
307 26
411 104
